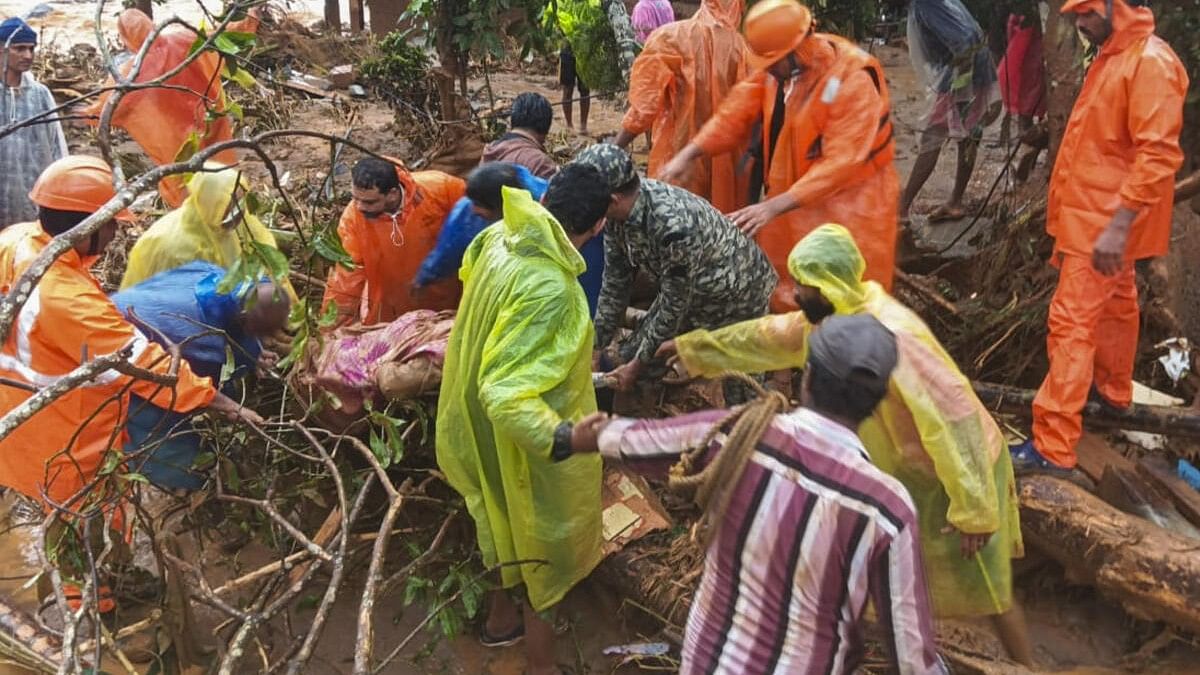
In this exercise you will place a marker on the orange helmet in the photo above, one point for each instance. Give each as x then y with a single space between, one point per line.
76 183
774 28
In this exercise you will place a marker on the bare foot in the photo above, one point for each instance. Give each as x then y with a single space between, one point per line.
947 212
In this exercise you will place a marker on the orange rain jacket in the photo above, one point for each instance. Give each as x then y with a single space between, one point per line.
1121 146
684 72
388 251
161 120
835 153
66 321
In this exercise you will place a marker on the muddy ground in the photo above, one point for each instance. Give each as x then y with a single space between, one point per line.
1073 629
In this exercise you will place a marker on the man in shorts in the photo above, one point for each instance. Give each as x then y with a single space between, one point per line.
570 81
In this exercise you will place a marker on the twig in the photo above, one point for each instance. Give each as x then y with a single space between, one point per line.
365 639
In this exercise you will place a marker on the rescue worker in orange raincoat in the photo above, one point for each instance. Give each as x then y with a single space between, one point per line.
1110 203
827 141
160 120
678 81
388 229
67 321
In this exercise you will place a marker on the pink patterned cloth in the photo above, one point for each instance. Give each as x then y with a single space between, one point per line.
649 15
350 357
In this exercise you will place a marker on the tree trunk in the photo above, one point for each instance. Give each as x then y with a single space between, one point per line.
333 15
1154 574
357 21
1155 419
1064 73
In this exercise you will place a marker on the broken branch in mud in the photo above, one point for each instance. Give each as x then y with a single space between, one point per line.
1182 422
1152 572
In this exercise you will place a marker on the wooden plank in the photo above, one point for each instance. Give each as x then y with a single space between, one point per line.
1158 471
1095 454
1158 419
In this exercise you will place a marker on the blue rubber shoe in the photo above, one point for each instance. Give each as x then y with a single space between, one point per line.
1026 460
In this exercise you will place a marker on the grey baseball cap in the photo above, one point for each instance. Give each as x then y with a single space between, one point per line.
854 346
612 162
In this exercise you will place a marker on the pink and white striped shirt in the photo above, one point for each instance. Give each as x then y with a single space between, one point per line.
648 15
812 531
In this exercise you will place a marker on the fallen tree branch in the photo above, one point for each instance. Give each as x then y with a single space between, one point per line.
1187 188
1171 421
44 397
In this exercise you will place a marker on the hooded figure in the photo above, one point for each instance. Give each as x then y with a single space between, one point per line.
210 226
826 140
1110 204
160 120
388 249
518 366
678 81
931 432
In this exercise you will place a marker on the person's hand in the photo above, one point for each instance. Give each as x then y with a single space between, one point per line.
1108 253
585 435
969 544
752 218
677 170
234 411
267 360
626 376
666 350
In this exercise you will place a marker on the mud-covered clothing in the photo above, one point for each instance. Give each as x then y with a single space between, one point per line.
709 273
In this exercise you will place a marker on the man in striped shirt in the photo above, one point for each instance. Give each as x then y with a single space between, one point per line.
810 530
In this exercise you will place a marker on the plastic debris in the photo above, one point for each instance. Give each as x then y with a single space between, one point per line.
1177 362
638 650
1189 473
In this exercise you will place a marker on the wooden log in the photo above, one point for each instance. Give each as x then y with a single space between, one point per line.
1187 188
1157 419
1154 574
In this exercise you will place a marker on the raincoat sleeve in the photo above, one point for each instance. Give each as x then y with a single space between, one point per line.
773 342
614 290
1154 123
665 317
104 331
528 353
458 230
952 431
650 81
730 126
345 286
846 142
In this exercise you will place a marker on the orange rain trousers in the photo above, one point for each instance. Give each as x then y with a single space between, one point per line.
161 120
834 157
1093 339
389 250
680 78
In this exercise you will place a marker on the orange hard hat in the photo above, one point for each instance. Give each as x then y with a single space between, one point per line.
1082 6
78 183
774 28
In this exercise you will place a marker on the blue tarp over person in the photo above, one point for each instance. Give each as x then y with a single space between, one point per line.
482 207
185 306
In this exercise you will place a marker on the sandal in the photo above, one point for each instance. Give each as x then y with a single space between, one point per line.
497 641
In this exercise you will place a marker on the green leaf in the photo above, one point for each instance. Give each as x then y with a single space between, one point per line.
328 316
203 460
328 245
229 367
136 478
379 449
276 262
201 38
235 110
190 147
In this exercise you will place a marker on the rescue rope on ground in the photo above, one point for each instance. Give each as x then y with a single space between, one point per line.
712 486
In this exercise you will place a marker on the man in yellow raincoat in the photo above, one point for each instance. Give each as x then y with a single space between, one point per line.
930 432
212 225
517 376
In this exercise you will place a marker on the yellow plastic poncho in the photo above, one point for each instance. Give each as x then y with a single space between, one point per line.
194 231
930 432
518 364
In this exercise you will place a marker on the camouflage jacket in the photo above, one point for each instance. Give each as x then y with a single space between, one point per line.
705 269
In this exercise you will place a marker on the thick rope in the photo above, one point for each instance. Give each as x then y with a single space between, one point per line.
712 487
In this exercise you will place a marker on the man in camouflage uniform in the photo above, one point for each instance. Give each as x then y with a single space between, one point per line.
709 274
